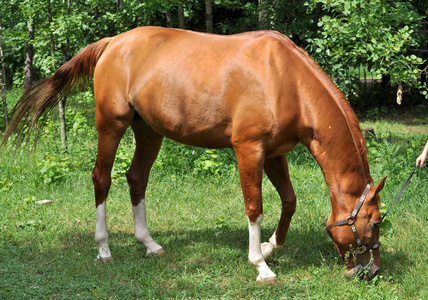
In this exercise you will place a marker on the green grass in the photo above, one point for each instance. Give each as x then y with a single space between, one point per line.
48 251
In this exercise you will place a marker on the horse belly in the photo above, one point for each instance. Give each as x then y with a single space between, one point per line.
201 136
187 122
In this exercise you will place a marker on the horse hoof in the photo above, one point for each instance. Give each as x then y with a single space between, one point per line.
269 280
159 252
105 259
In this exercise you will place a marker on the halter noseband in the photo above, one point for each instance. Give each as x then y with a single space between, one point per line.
350 221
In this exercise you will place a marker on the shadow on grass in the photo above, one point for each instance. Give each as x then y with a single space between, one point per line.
303 248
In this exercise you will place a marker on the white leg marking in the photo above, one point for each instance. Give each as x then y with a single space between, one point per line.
255 253
142 234
270 248
101 235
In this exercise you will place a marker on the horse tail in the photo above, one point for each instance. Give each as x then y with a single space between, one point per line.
39 98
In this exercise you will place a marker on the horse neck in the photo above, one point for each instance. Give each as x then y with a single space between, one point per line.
329 128
338 146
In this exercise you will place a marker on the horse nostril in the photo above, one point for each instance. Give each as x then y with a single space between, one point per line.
372 272
361 272
353 272
376 225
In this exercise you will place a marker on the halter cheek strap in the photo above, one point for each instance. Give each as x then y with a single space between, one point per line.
350 221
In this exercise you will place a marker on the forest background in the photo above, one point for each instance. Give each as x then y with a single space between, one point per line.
351 40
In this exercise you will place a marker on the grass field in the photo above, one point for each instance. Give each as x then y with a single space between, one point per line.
196 212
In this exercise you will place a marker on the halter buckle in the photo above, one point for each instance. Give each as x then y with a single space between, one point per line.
360 249
350 220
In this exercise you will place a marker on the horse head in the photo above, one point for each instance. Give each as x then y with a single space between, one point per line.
356 232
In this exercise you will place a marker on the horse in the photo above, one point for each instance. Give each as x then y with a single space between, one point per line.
255 92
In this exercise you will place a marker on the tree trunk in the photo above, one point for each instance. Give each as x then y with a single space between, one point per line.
3 77
424 71
209 15
181 19
66 56
263 14
118 5
61 104
168 18
290 11
268 12
29 54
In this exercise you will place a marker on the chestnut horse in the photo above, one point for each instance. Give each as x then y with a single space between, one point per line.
255 92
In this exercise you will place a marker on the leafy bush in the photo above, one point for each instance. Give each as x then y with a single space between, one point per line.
395 154
52 169
215 162
178 159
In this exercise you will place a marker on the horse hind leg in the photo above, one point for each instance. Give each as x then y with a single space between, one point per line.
101 177
112 120
148 144
277 171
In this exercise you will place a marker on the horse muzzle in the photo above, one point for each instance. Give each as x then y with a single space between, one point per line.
363 272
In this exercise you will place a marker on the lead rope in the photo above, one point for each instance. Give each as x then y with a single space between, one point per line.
401 191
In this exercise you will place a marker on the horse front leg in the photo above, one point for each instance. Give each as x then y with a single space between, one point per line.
148 144
277 171
250 165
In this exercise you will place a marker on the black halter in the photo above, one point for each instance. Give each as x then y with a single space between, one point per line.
350 221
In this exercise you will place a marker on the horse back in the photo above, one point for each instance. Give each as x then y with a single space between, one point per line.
202 89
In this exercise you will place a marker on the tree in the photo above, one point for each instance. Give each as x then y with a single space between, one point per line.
29 55
209 15
30 10
181 18
376 34
61 103
381 35
168 15
3 76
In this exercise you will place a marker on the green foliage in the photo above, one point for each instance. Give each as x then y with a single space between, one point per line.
383 36
377 34
178 159
122 161
215 162
394 152
32 225
52 170
5 184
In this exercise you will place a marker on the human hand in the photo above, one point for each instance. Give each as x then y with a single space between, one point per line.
420 161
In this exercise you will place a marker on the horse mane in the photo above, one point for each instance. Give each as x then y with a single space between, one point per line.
349 115
354 128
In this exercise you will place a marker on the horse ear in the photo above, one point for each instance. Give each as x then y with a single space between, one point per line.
380 186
